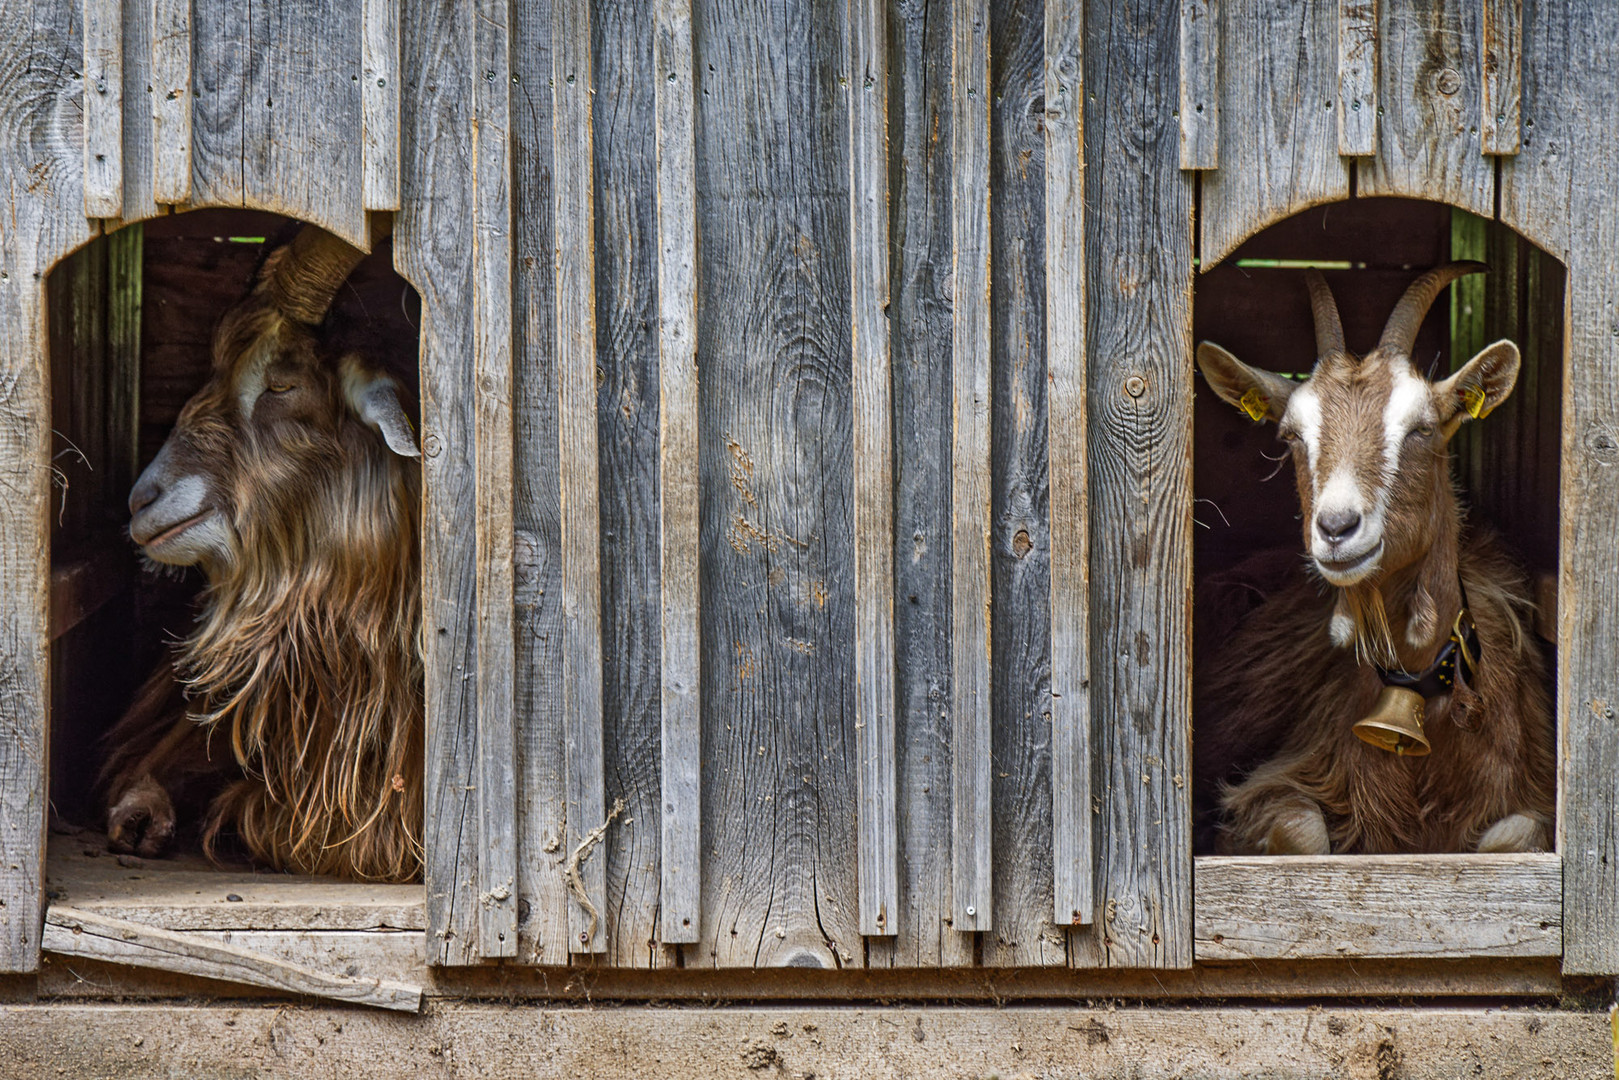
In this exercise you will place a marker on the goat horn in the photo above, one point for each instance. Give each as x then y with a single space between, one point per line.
1329 329
1401 332
303 277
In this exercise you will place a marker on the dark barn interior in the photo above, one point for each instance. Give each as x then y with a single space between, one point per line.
132 317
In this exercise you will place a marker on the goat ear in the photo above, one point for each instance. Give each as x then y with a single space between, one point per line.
377 402
1261 394
1482 384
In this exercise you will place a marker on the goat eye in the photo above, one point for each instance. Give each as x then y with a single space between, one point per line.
1422 432
278 388
1288 436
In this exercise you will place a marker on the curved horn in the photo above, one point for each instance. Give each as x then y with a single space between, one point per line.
1401 331
303 277
1329 329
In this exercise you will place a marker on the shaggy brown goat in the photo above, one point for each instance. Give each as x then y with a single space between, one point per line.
1280 700
293 711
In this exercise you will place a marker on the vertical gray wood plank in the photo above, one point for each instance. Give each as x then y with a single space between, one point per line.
103 108
920 156
1200 84
873 465
433 247
40 48
1284 104
1559 191
493 456
969 479
680 910
544 901
379 102
1357 78
125 280
1500 98
628 413
1428 136
1072 821
1139 263
577 450
780 809
171 100
137 121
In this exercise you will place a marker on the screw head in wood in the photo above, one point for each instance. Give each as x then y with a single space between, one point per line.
972 912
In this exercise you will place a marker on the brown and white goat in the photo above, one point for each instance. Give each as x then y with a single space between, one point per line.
291 717
1384 532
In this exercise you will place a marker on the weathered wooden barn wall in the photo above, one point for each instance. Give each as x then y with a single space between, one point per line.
783 481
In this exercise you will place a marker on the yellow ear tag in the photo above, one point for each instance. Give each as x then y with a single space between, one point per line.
1473 398
1254 404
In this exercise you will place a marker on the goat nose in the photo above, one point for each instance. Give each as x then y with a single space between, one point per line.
145 492
1337 525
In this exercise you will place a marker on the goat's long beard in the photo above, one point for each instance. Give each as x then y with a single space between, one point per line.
1368 630
309 659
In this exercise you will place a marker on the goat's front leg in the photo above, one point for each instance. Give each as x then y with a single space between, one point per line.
1267 814
1517 833
140 813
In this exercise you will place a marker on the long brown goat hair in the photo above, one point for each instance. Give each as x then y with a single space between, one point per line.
292 714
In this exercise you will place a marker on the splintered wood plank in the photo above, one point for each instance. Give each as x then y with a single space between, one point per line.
1200 83
1501 100
537 510
433 247
674 80
493 457
1357 78
1379 906
780 747
1019 764
873 465
171 101
71 932
40 50
577 451
1073 848
1428 135
630 324
1559 192
277 123
379 102
970 697
919 338
103 108
1138 208
1283 98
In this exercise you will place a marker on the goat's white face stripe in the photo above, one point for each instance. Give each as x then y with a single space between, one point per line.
1304 415
1408 400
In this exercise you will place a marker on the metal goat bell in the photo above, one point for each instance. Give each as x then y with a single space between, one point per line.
1395 723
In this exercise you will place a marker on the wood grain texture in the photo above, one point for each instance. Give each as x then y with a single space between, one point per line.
1283 151
493 460
919 337
496 1041
780 794
379 102
582 717
1072 820
970 691
1020 517
71 932
1501 62
1428 136
40 48
542 794
103 108
1200 84
1138 207
277 123
1357 78
171 100
630 411
681 731
1379 906
873 466
433 248
1558 191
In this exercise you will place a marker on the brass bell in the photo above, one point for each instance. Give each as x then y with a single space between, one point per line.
1395 723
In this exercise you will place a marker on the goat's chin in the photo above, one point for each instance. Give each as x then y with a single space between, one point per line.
1343 572
202 541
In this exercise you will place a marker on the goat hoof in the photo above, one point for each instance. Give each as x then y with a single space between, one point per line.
142 821
1298 830
1515 833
